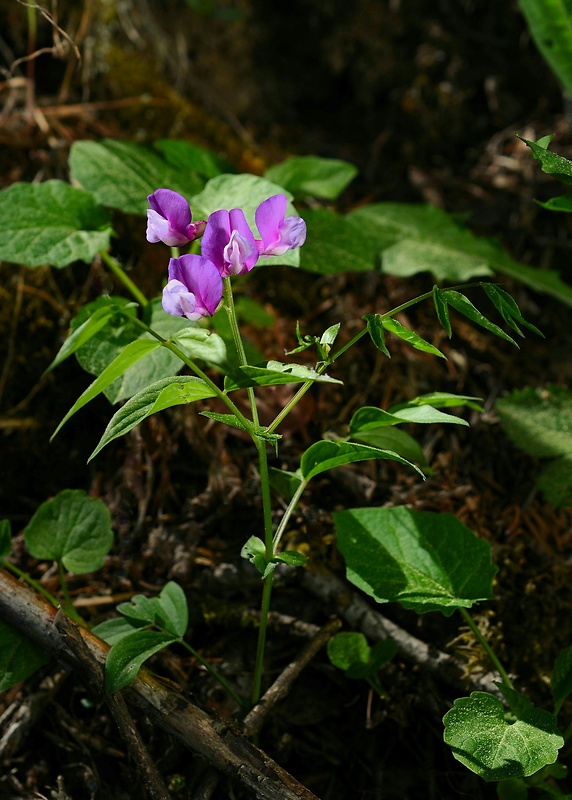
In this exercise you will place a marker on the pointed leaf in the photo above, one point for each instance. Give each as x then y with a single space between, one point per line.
412 338
508 308
113 630
292 557
173 612
51 223
396 440
440 400
19 656
423 560
323 456
464 306
482 739
442 310
160 395
376 331
87 329
128 655
285 483
129 355
72 528
273 374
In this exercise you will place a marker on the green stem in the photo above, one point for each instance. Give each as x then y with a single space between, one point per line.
288 513
31 582
474 627
120 273
238 343
228 689
267 581
69 606
199 373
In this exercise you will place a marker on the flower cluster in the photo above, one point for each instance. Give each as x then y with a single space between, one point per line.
228 247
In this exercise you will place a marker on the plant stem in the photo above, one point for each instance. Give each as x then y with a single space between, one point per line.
69 606
238 343
228 689
267 587
31 582
120 273
289 511
474 627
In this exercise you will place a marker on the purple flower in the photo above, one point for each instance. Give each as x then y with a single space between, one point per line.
279 234
194 289
169 219
229 243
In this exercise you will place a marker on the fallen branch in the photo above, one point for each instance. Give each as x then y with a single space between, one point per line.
225 750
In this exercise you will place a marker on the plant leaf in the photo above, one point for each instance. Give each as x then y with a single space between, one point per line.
159 395
113 630
325 178
184 155
122 174
128 655
130 355
51 223
19 656
482 739
335 244
326 455
376 331
396 440
423 560
442 310
72 528
273 374
464 306
173 612
412 338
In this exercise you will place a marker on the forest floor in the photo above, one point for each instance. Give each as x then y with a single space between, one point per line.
183 492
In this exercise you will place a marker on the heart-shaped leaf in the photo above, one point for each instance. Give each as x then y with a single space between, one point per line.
423 560
480 737
72 528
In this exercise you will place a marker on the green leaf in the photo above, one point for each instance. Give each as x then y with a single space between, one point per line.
51 223
414 239
369 417
292 557
184 155
273 374
5 538
507 308
423 560
551 163
283 482
254 551
482 739
377 332
173 612
226 419
539 421
561 679
140 609
246 192
113 630
130 355
249 310
19 656
441 400
160 395
412 338
442 310
326 455
122 174
425 414
72 528
464 306
396 440
199 344
351 653
335 244
325 178
127 656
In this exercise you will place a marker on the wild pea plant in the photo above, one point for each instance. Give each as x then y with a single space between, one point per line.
425 561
